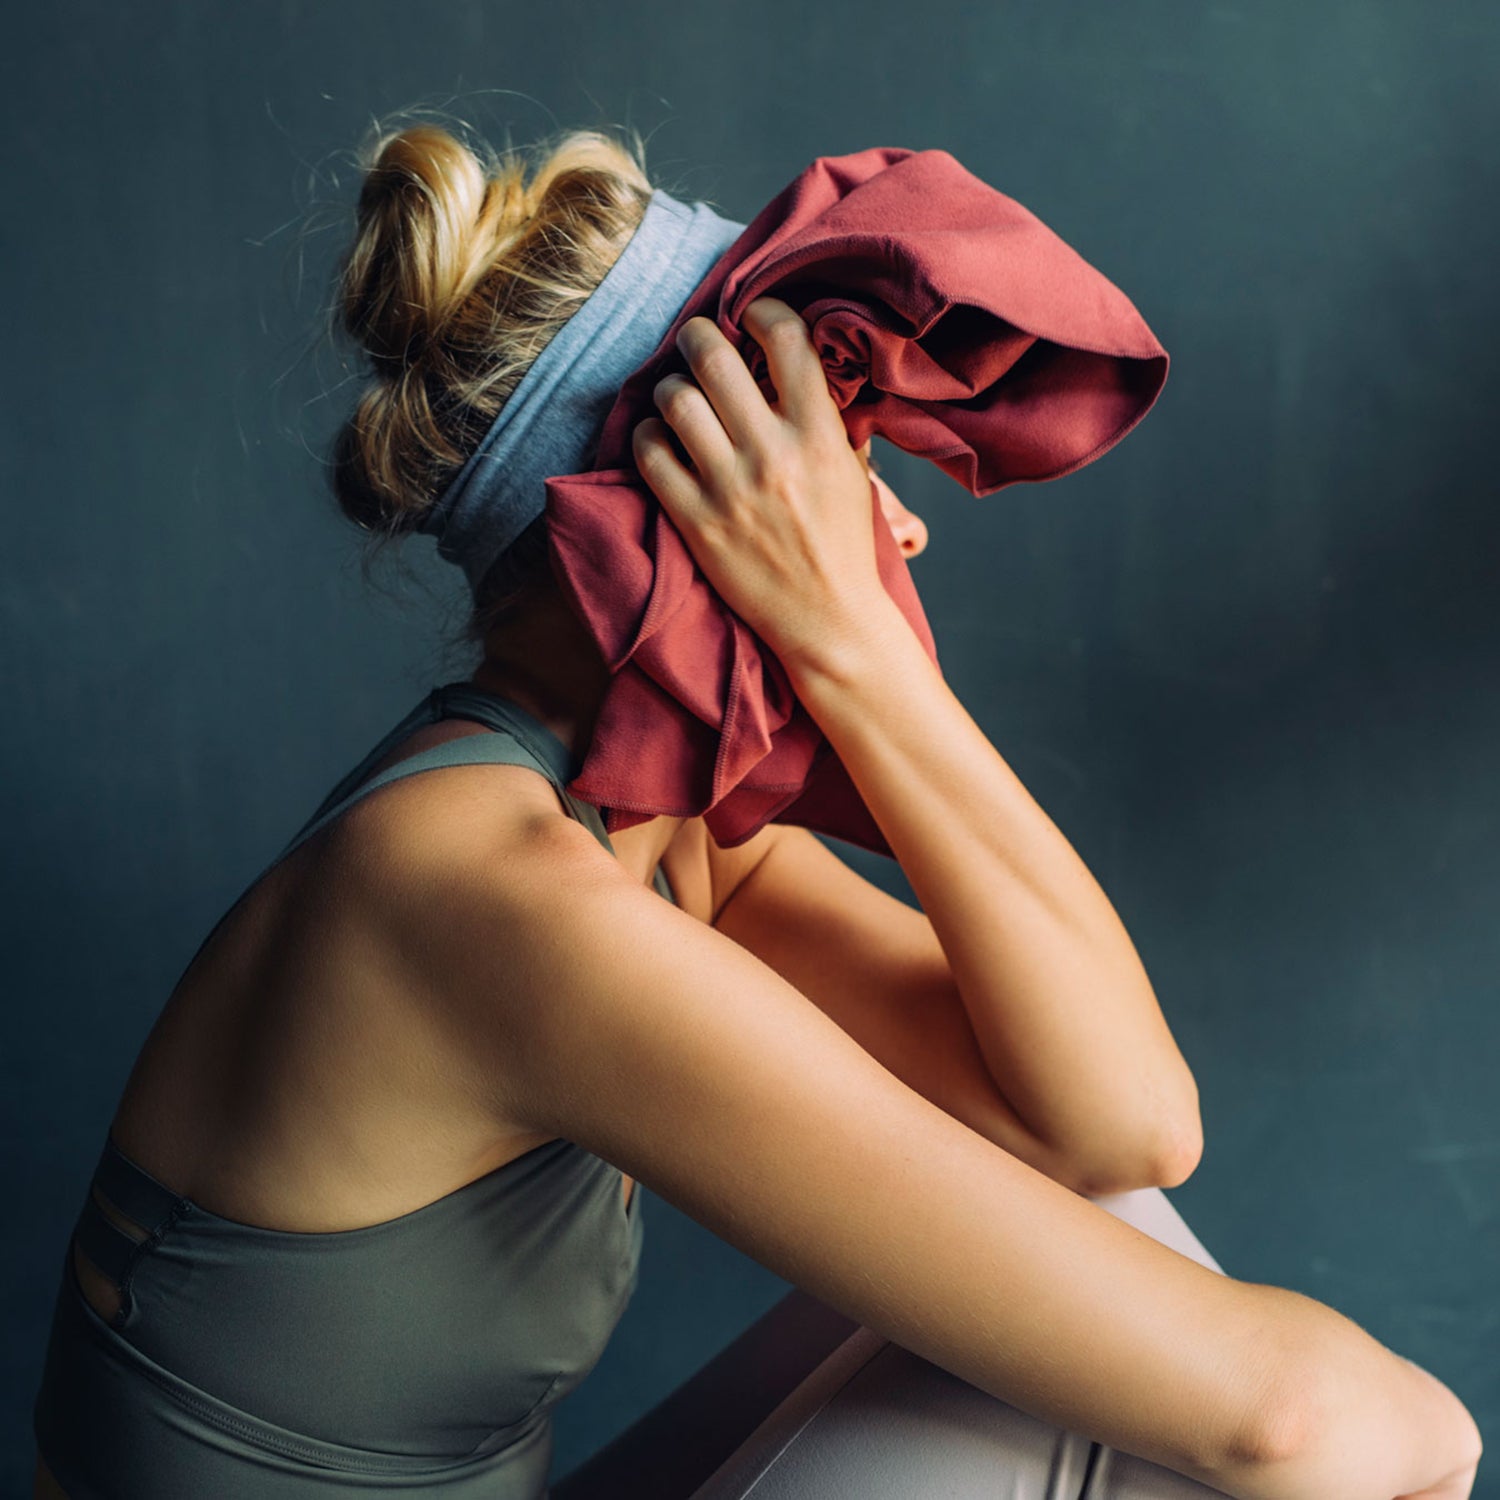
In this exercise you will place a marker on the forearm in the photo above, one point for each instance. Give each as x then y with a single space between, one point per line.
1058 1000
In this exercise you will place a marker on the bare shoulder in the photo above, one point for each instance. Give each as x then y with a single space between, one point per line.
420 834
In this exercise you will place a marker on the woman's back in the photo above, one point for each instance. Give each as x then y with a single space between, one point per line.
289 1080
352 1263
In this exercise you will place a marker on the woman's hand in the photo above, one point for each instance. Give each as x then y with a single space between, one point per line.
774 504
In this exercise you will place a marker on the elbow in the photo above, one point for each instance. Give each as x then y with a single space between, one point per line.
1177 1143
1165 1158
1178 1159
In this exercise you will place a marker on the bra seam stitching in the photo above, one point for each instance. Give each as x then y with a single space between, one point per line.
142 1249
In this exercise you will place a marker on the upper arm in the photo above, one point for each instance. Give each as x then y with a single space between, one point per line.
873 964
610 1017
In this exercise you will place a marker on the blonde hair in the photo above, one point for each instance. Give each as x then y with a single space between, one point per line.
461 270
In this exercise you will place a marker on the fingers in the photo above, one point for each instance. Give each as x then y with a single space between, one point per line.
718 413
725 379
668 477
698 428
802 393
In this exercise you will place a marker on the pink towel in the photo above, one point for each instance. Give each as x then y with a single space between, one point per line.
952 322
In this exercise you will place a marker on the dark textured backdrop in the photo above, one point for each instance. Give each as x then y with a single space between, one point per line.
1247 660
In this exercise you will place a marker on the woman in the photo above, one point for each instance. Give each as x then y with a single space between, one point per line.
367 1204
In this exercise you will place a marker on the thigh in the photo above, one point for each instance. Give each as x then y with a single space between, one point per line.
1152 1212
876 1422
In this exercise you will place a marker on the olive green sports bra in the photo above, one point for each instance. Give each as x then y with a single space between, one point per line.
422 1354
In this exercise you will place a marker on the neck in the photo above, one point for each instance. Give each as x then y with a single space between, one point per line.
548 663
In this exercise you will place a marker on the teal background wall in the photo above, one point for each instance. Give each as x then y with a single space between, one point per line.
1248 660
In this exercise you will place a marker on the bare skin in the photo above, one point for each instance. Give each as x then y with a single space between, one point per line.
195 1116
828 1050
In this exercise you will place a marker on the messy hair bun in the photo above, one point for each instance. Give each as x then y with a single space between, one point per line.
460 272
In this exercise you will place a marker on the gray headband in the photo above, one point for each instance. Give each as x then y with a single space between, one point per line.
552 421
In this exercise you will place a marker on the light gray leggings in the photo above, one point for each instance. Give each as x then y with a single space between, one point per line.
875 1422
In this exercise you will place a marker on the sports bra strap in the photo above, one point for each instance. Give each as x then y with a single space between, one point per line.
516 738
462 700
498 747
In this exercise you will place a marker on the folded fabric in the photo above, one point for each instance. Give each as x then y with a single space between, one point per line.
952 322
